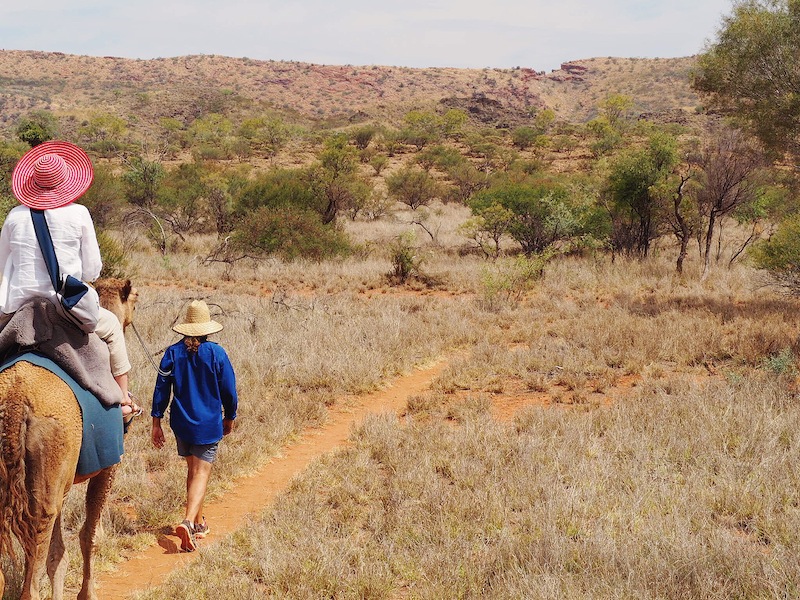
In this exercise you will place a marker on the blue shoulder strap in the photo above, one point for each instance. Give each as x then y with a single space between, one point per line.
46 245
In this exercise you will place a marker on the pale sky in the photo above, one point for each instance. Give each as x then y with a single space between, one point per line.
538 34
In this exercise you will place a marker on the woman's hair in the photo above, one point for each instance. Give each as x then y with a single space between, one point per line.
193 342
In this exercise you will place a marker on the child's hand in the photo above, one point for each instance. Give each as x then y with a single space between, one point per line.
227 426
157 434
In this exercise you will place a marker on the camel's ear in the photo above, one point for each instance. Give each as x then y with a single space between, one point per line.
125 290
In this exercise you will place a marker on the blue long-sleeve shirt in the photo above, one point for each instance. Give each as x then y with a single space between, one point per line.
203 388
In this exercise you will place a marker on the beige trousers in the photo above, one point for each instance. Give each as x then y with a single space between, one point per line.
110 331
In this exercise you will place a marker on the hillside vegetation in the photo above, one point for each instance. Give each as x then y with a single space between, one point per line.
277 153
188 86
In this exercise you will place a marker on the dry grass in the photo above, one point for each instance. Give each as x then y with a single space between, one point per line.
685 495
669 477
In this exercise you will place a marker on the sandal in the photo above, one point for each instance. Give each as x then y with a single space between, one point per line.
136 411
201 530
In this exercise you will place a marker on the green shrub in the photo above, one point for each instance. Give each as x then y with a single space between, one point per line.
378 162
115 263
543 211
290 233
105 198
106 148
10 153
413 187
782 363
779 256
506 282
362 136
524 137
37 127
7 202
403 255
278 188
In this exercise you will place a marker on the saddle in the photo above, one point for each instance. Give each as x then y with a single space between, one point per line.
37 334
37 327
102 441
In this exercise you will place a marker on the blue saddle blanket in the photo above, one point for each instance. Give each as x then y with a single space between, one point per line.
102 444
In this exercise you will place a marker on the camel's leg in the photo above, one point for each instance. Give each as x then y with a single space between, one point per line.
36 559
96 495
57 562
50 469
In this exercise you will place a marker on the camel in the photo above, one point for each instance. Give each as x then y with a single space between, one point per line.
41 429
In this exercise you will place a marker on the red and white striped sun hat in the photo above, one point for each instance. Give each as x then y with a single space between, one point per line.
52 174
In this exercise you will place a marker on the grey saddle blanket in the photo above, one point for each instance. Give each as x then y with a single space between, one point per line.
37 327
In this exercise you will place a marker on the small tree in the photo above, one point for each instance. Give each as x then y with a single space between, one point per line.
636 207
211 137
183 199
615 109
683 217
335 181
413 187
37 127
751 71
10 153
265 135
274 188
607 138
453 122
488 226
142 181
465 180
104 134
544 120
403 256
220 201
544 211
524 137
439 157
729 162
105 198
362 136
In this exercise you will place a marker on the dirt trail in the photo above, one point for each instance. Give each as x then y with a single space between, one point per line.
252 494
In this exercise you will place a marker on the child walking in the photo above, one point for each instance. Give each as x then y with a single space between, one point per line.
198 378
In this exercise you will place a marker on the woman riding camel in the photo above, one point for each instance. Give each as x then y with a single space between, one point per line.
51 177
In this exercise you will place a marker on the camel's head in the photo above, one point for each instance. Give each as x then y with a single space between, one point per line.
118 296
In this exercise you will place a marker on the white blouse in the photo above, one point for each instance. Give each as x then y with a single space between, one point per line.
24 273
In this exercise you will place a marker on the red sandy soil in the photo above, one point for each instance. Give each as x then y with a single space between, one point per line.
252 494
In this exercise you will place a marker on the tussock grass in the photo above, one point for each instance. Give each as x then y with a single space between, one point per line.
682 487
688 495
293 359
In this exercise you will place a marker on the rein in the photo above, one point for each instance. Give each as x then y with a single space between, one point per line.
148 353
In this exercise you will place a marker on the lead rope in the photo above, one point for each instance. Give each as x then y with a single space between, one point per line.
148 353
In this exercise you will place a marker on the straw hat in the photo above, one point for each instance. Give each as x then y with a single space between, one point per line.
198 321
51 174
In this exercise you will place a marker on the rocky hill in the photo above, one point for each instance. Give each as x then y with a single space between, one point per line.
143 91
